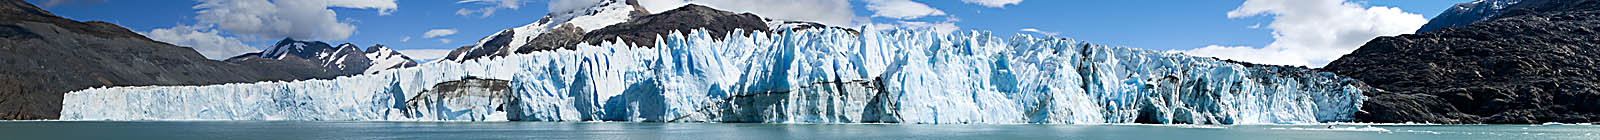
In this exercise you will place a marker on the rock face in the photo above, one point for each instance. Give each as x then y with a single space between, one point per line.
43 56
1537 62
467 99
643 31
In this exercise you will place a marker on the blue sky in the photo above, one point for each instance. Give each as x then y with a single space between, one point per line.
1153 24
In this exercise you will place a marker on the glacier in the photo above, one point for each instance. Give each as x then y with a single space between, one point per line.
900 75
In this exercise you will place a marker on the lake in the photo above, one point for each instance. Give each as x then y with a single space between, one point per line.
705 131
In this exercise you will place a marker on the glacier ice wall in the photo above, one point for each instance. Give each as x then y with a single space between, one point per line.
807 76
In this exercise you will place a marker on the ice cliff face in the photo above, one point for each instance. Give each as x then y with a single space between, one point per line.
805 76
467 99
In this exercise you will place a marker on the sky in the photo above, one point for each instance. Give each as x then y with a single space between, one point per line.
1288 32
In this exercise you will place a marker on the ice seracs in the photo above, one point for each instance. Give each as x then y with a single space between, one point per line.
805 76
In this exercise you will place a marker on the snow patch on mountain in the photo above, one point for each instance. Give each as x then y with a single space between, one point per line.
384 58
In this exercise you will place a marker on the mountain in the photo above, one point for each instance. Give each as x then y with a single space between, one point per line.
1485 10
643 30
43 56
625 21
343 60
384 58
1536 61
1467 13
505 42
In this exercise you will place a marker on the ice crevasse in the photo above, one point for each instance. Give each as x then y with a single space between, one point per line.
806 76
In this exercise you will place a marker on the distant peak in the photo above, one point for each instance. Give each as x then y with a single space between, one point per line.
377 48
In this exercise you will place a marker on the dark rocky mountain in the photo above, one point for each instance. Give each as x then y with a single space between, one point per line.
1467 13
1538 61
563 26
345 59
43 56
640 29
1484 10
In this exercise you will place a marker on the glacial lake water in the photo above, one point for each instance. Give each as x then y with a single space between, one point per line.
53 130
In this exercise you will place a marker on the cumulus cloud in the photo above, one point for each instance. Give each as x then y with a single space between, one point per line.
303 19
1314 32
489 6
203 39
901 9
832 12
993 3
1032 30
438 33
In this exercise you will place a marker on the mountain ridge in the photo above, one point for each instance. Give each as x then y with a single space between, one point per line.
1534 63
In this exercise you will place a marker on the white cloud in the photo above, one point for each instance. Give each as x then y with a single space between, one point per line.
489 6
832 12
302 19
1314 32
1032 30
570 5
993 3
901 9
385 7
444 40
406 39
203 39
425 54
438 33
483 13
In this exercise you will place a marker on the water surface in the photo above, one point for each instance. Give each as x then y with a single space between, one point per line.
705 131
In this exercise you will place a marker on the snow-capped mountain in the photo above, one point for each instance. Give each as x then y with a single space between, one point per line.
384 58
505 42
1467 13
620 21
346 59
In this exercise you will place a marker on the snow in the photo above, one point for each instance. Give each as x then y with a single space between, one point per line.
609 12
384 59
808 76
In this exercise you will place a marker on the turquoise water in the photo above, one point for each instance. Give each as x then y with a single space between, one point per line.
708 131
